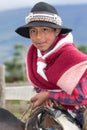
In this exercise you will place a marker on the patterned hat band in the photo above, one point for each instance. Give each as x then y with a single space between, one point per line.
45 16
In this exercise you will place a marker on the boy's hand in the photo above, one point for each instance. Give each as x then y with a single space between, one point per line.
39 99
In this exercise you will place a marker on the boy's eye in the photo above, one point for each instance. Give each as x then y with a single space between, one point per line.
45 29
32 31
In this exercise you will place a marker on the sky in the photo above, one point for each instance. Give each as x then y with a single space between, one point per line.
11 4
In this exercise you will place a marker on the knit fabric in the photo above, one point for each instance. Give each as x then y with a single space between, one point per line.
64 61
77 98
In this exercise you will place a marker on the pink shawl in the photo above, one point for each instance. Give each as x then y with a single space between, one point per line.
65 67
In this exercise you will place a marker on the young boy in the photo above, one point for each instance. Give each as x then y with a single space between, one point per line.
57 70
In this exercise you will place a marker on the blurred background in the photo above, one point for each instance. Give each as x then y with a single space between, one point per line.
13 48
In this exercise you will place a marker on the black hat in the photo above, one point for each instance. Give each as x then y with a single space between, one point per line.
42 14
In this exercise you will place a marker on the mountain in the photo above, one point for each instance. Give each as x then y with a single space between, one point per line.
73 16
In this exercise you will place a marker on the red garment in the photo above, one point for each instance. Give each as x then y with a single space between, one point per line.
57 64
78 97
60 65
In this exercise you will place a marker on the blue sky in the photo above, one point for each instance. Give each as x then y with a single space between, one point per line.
9 4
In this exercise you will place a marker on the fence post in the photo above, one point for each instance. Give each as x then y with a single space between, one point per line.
2 85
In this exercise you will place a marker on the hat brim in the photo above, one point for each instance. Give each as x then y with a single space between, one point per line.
24 30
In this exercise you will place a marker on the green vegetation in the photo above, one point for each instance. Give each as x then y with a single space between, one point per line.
15 67
83 48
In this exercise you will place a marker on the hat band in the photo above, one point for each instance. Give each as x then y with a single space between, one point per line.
48 17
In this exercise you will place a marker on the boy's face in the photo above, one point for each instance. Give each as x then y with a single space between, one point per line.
43 37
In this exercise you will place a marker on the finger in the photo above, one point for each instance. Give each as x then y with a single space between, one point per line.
50 103
33 99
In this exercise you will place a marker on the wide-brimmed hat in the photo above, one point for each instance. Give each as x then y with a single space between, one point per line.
42 15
